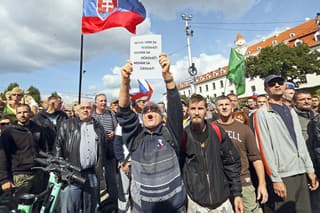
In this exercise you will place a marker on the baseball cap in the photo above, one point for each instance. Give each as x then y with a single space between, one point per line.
270 78
290 85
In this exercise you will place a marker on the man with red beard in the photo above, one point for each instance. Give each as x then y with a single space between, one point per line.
211 168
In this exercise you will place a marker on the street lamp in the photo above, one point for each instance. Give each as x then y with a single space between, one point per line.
192 69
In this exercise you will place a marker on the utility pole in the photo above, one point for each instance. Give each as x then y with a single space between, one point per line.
189 33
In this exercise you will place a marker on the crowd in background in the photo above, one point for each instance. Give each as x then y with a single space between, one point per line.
186 155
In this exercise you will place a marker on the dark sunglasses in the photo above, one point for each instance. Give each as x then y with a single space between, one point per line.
273 83
4 124
151 108
16 95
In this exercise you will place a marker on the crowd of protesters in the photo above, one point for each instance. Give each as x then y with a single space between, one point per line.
178 156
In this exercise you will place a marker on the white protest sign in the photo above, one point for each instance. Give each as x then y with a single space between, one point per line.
144 55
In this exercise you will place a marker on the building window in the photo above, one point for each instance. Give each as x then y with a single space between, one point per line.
222 72
184 93
231 92
213 85
207 88
258 48
200 89
221 83
292 35
189 91
317 36
214 95
222 93
274 42
253 88
297 42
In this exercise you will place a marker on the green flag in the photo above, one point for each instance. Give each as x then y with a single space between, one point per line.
236 71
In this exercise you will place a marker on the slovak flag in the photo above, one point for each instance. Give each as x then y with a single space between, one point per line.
145 91
100 15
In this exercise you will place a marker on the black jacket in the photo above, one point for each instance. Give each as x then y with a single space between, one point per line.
314 142
50 129
211 173
19 147
68 144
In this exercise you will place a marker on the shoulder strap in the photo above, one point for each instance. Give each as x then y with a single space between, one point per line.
217 130
214 126
260 146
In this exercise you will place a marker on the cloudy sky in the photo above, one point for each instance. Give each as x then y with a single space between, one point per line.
40 40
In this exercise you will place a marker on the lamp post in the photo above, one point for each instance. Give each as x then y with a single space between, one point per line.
192 69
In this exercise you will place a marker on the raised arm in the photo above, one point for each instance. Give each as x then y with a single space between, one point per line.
174 106
124 99
166 74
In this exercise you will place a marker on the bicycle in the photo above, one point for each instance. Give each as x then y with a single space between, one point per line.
61 173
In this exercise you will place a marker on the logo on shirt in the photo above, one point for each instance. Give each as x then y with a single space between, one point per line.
159 144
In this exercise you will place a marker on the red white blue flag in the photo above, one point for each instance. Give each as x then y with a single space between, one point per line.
100 15
145 91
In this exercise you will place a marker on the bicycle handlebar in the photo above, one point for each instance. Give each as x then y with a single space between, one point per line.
59 161
64 168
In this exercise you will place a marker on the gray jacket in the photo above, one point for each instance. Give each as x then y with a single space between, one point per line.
282 158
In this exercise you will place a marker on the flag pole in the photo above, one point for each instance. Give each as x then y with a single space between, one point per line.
80 72
225 86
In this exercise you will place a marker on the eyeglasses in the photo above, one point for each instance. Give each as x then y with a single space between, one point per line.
151 108
4 124
19 95
273 83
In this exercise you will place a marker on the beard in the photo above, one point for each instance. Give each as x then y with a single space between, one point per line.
197 124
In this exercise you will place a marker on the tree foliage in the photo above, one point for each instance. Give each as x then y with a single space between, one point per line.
293 63
35 93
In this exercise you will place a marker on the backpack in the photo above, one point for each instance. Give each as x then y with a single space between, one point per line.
214 126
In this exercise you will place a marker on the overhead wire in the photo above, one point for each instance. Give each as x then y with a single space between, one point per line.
211 25
249 23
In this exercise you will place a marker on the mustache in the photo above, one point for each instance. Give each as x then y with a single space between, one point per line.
196 116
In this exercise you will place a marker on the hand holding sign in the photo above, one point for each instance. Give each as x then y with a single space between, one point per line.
144 54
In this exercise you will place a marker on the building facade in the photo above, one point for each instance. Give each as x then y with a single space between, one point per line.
215 83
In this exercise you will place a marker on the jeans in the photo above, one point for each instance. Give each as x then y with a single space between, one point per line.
70 197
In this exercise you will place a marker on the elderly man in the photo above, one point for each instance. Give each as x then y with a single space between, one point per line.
107 119
284 151
80 141
156 181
